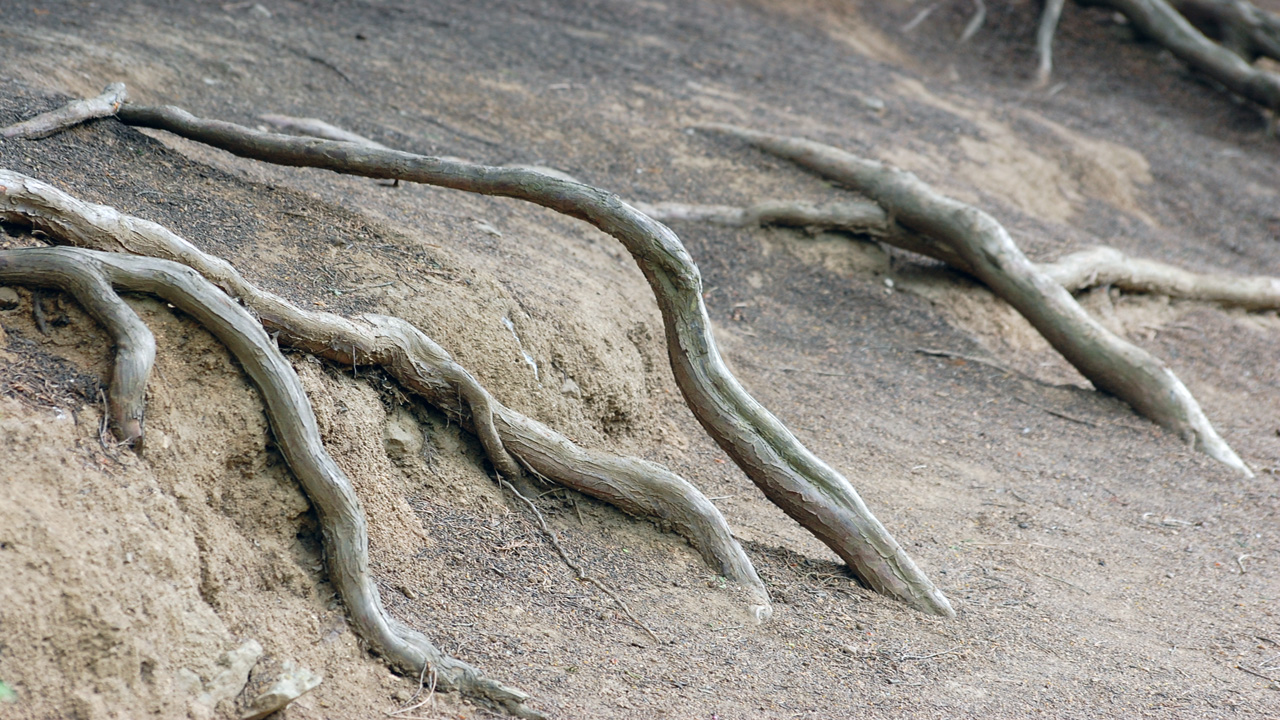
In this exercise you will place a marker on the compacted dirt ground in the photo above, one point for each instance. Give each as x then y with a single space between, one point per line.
1099 567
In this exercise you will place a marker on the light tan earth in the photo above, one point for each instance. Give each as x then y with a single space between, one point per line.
1099 568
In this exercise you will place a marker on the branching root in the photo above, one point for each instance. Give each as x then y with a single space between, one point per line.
420 365
974 242
1162 22
91 274
790 475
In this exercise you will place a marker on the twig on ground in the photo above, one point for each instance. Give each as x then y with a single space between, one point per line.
1240 561
74 113
431 693
975 22
1057 413
967 358
1255 673
913 658
577 569
919 18
1044 39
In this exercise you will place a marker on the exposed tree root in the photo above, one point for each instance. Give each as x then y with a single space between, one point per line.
68 115
294 427
424 368
1160 21
134 344
1239 26
1094 267
1107 266
1044 38
814 494
973 241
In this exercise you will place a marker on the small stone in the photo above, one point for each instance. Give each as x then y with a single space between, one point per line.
402 437
8 298
293 683
848 650
571 389
234 676
407 591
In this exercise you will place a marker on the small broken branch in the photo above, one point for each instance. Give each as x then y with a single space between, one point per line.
46 124
989 254
578 573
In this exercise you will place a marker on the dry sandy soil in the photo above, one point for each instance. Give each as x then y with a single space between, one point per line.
1099 567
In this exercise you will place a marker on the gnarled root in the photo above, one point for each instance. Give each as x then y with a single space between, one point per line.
973 241
92 274
814 494
420 365
1107 266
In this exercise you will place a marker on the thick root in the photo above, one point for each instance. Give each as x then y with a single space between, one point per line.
1107 266
1159 20
791 476
135 345
294 427
1239 26
985 250
420 365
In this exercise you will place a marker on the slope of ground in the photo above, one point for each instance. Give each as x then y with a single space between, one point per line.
1099 568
